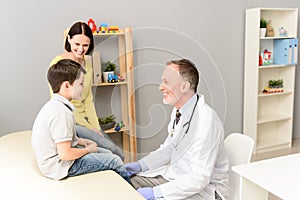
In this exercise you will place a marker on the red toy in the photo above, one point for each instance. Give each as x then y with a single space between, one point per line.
113 29
265 58
260 60
92 25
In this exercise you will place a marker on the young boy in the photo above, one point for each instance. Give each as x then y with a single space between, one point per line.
58 151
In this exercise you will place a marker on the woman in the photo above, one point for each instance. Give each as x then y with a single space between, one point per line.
80 42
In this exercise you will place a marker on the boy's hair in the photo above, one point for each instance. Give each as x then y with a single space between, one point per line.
188 72
63 70
77 29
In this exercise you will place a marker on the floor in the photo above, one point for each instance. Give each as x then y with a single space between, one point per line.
295 149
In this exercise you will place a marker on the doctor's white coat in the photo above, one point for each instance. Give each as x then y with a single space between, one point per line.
194 161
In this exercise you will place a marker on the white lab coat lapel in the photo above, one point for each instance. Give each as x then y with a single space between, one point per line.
183 140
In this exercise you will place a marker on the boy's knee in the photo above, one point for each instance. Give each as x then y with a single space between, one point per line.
117 159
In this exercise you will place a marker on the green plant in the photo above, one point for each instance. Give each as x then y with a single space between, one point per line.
263 23
271 83
109 66
107 119
280 82
275 83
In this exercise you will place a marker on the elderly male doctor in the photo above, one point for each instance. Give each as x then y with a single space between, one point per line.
191 163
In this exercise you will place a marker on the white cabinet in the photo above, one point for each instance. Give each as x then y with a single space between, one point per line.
268 117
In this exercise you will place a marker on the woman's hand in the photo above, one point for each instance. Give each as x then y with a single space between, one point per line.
97 131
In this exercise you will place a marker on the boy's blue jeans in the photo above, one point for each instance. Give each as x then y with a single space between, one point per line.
94 162
104 142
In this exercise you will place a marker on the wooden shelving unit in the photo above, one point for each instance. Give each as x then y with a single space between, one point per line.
268 118
127 98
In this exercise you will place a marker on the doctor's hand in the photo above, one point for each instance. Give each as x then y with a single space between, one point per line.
147 192
133 168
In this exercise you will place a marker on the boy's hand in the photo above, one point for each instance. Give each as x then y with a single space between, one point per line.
92 147
86 142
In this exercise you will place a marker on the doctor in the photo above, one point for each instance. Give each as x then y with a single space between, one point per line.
191 163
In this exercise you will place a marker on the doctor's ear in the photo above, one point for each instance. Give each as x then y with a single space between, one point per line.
185 86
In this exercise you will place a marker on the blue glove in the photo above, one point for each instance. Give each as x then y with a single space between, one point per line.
146 192
133 168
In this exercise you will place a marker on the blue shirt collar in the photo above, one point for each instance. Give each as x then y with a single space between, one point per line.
189 103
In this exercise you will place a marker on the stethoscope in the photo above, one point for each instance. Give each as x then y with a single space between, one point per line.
186 124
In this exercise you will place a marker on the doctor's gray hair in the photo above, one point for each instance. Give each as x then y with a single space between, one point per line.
188 72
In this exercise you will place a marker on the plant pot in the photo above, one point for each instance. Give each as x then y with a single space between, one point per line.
105 75
263 32
108 125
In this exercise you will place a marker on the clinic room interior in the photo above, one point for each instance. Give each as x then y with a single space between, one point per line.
244 77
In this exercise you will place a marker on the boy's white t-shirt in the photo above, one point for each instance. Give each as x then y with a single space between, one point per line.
55 123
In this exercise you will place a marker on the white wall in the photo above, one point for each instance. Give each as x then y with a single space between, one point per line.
211 33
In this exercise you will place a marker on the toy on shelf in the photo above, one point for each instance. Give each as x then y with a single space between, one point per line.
119 126
260 60
103 28
113 29
274 86
121 78
112 78
270 30
282 32
109 70
92 25
265 58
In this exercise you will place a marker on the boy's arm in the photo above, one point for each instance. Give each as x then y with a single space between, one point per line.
67 152
85 142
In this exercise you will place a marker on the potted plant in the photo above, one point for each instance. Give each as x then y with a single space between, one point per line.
109 69
263 27
107 122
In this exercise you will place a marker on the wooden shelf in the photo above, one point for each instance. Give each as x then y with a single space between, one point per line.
112 130
121 32
110 84
127 98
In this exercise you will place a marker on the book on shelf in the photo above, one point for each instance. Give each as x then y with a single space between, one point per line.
285 51
97 67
